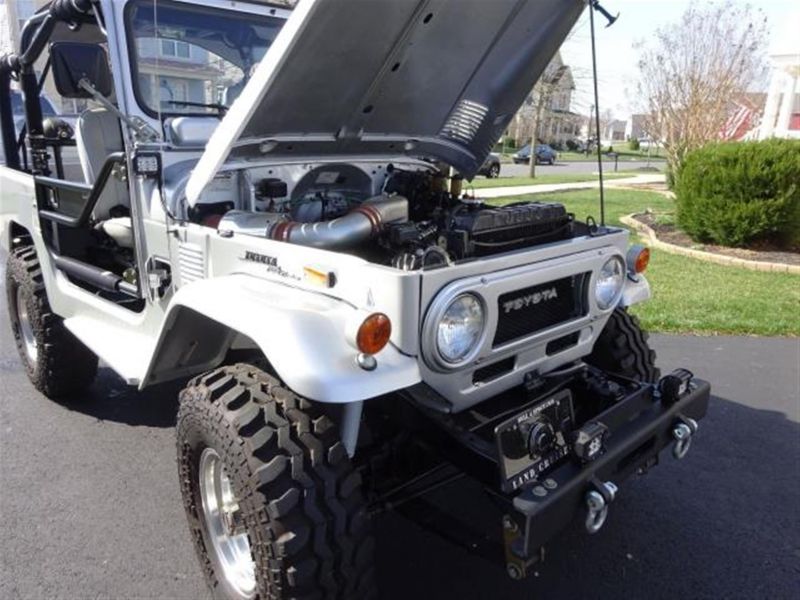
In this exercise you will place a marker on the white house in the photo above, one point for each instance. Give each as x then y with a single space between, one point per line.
635 127
615 130
782 110
557 123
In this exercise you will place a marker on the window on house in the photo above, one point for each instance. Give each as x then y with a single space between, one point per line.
175 48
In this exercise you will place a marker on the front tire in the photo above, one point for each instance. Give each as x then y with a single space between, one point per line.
622 348
56 362
494 172
293 508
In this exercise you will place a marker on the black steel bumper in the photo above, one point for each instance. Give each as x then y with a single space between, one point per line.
639 427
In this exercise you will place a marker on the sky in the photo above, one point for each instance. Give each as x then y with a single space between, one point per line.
616 66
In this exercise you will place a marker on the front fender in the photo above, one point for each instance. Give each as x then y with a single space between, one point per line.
302 334
635 291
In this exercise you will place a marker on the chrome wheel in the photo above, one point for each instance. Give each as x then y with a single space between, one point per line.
26 329
224 525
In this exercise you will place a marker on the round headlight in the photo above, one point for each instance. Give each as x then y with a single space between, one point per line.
460 328
609 283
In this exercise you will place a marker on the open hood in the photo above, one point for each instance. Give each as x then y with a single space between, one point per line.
438 79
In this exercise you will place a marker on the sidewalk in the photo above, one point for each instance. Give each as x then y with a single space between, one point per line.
520 190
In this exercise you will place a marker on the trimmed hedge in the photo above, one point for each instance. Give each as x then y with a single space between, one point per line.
741 193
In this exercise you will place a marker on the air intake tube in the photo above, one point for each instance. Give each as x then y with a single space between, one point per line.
358 226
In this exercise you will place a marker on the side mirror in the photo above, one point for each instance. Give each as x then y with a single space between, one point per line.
75 61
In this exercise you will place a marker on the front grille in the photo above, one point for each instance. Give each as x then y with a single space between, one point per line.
493 371
562 343
533 309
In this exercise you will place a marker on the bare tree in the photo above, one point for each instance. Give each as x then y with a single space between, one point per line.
690 71
540 99
535 111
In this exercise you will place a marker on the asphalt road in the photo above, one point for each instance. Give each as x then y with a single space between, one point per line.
90 508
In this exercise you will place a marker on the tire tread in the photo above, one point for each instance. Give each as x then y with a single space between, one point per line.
622 348
65 366
300 497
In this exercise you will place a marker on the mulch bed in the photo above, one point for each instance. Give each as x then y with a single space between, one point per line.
765 253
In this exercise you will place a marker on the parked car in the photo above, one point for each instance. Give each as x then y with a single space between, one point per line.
18 108
491 166
544 155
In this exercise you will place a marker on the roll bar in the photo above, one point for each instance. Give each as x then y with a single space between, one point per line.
34 38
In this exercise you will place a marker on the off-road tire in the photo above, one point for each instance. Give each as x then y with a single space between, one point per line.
300 499
622 348
63 365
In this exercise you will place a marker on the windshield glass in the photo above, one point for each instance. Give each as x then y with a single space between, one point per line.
190 59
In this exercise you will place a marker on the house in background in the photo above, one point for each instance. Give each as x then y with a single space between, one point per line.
744 115
782 109
171 70
176 71
614 131
635 127
13 16
557 123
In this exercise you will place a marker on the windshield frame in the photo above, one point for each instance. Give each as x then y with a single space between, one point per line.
218 6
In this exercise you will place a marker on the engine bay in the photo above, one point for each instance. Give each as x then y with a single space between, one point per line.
409 217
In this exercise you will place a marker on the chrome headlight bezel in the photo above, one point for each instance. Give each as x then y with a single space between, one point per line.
613 269
431 343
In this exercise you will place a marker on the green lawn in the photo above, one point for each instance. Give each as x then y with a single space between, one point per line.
484 183
692 296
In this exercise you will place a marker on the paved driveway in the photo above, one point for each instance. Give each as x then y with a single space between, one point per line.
90 508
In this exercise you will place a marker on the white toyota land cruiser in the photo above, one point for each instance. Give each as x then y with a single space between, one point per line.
270 201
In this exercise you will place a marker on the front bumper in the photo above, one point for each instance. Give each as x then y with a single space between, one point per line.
639 427
638 423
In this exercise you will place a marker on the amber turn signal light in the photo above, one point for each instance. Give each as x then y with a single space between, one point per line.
638 258
374 333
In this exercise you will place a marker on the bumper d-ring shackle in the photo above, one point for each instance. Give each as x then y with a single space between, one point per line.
682 433
597 502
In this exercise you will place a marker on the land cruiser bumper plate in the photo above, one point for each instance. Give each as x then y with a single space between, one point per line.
635 430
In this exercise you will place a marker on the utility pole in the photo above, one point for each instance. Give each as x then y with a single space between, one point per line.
589 130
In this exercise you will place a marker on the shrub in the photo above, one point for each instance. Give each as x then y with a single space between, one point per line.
572 145
634 145
670 176
741 193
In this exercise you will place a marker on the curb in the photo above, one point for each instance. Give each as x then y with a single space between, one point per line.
728 261
634 188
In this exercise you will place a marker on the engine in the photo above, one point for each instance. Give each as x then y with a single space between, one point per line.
445 227
412 220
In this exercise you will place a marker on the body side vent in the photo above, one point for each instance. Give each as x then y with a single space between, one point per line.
192 263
